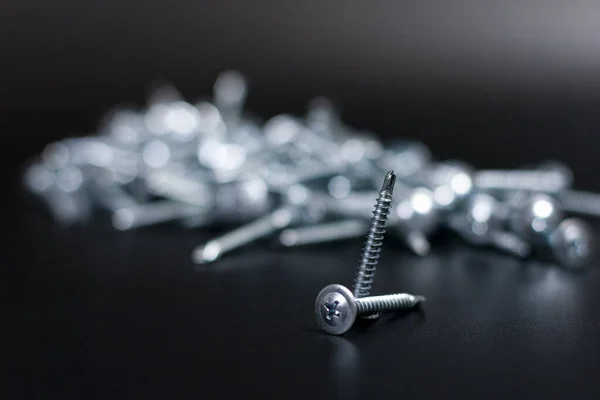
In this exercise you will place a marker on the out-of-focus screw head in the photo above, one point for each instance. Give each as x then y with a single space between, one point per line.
451 181
230 89
335 309
481 210
417 210
537 217
571 243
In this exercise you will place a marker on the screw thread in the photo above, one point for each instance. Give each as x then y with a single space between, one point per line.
385 303
374 239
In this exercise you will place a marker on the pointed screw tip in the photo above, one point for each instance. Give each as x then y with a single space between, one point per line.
206 254
388 182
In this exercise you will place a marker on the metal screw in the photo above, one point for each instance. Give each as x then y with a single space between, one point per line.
301 207
323 232
540 219
451 183
534 217
550 181
580 202
336 308
481 223
370 254
62 189
140 215
571 243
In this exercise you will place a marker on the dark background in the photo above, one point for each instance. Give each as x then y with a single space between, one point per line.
91 313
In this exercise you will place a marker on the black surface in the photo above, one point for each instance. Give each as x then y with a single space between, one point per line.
93 313
100 314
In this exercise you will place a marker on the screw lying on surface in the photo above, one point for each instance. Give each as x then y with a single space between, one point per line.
323 232
481 223
550 181
336 308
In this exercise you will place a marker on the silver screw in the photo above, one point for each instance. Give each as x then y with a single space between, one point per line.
110 196
140 215
229 91
580 202
301 207
450 181
336 308
370 254
323 232
62 189
481 223
572 243
549 181
540 219
534 217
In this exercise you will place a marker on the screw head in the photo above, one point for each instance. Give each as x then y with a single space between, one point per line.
416 211
537 218
572 243
335 309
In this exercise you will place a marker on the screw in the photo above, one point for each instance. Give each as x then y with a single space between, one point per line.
323 232
571 243
451 183
534 217
140 215
370 254
229 92
301 207
235 202
407 157
540 219
124 126
548 181
110 196
336 308
580 202
481 222
62 189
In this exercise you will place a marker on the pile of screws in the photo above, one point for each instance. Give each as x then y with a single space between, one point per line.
308 180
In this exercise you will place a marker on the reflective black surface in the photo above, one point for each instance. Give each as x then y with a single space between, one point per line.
93 313
101 314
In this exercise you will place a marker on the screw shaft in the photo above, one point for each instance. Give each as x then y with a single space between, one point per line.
260 228
581 202
541 181
140 215
389 302
370 255
323 233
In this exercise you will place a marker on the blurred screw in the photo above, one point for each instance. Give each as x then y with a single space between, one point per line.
534 216
336 308
141 215
572 243
580 202
300 207
481 224
62 189
321 233
551 181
